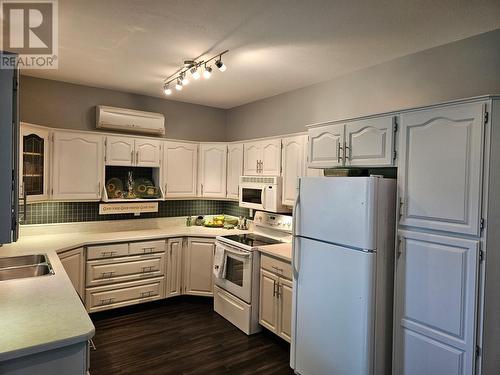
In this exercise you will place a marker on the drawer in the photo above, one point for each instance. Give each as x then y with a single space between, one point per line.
124 294
147 247
276 266
107 251
106 271
235 310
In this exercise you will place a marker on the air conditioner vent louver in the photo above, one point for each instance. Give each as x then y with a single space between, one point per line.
129 120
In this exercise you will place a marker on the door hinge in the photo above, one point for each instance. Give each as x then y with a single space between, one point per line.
400 247
395 124
481 255
395 155
486 117
482 224
401 207
478 351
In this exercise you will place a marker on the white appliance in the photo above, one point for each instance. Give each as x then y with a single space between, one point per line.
236 295
262 193
129 120
343 257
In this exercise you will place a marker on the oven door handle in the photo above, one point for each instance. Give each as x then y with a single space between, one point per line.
232 250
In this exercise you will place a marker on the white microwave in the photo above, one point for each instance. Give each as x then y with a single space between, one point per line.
262 193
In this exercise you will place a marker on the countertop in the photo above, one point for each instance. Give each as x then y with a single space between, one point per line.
44 313
282 251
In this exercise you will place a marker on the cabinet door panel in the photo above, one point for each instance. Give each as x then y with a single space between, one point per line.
77 166
174 267
199 263
293 167
147 153
268 308
271 157
234 169
120 151
325 146
213 159
180 169
73 262
370 142
285 309
252 156
440 168
436 295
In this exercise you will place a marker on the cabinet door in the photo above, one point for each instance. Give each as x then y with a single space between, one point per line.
120 151
271 157
73 262
268 306
435 315
34 163
77 166
198 266
234 169
147 153
440 168
293 166
285 309
326 146
251 158
370 142
174 267
213 160
180 169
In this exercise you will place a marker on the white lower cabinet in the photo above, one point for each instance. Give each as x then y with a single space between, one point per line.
73 262
275 304
198 262
174 267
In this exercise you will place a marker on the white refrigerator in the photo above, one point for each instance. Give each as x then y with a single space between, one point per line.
343 262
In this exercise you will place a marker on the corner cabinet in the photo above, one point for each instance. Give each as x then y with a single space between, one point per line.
212 170
73 262
263 158
198 264
174 267
234 169
34 159
293 166
180 161
77 166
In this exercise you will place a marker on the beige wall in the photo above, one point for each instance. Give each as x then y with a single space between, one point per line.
65 105
469 67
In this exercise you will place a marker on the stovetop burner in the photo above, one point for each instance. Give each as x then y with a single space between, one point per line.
252 240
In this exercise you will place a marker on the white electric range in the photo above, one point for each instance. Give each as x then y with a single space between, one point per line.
236 294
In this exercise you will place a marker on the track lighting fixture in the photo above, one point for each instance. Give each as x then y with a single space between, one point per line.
194 68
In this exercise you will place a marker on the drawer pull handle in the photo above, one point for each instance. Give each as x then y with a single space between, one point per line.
107 301
147 250
108 253
146 294
107 275
277 269
148 269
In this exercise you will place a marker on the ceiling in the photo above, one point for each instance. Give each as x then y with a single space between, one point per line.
275 45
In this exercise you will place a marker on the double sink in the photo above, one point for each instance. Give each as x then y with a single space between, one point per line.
20 267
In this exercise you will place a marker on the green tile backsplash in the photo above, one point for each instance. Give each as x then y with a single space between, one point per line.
66 212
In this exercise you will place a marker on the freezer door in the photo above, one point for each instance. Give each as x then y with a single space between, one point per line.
333 310
340 210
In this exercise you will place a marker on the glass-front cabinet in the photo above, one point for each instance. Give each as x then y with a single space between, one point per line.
34 163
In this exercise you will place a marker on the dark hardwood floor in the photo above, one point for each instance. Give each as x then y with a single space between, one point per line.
182 335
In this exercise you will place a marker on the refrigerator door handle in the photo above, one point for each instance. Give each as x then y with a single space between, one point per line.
295 255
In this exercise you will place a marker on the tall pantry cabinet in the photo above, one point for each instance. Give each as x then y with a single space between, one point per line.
447 263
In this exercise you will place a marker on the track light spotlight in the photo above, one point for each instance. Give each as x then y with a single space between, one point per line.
167 90
195 73
178 85
207 72
184 80
219 64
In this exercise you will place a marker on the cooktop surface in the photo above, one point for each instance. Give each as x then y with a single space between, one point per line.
252 240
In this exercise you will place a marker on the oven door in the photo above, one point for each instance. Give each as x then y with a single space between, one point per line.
238 279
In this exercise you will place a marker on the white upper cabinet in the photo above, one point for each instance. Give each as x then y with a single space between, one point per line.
77 166
129 151
262 158
180 161
326 146
370 142
440 168
147 153
293 165
213 159
120 151
234 169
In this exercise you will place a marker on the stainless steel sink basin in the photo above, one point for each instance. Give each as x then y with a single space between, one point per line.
23 260
23 272
24 266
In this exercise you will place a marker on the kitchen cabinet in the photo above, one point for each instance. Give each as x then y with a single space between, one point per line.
212 170
440 168
435 314
262 158
368 143
293 166
77 166
180 160
198 264
174 267
130 151
275 304
73 262
34 163
234 169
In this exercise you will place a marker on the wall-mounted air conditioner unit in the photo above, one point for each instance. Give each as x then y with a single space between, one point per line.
129 120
